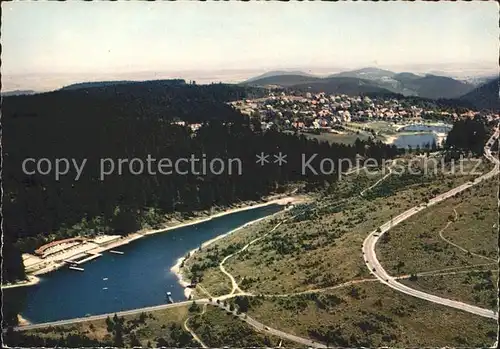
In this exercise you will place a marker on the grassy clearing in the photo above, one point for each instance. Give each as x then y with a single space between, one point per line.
204 265
218 328
292 258
416 246
348 138
475 228
212 277
377 126
474 287
371 315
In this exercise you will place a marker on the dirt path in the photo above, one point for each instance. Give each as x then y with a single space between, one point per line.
458 246
191 332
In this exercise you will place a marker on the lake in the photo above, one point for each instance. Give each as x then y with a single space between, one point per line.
138 278
420 139
413 141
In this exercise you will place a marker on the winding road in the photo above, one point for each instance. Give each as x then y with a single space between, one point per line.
378 271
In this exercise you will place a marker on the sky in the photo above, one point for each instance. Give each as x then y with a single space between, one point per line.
45 44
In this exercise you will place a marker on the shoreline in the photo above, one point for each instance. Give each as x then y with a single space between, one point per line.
22 321
279 201
33 278
178 270
440 136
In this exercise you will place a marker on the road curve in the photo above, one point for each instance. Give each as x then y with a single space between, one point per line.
378 271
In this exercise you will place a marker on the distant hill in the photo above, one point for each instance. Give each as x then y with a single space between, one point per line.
18 93
433 86
276 73
410 84
82 85
406 83
349 85
165 99
283 80
366 73
343 85
406 77
485 96
478 80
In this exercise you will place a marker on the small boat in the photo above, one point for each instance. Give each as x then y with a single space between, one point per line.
104 279
169 297
104 288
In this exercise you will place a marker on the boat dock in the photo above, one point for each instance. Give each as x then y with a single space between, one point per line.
76 268
70 262
117 252
89 258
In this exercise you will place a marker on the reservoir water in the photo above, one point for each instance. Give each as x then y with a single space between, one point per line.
424 136
420 140
138 278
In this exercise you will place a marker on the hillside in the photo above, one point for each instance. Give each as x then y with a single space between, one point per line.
343 85
96 84
282 80
366 73
485 96
410 84
18 93
433 86
372 80
277 73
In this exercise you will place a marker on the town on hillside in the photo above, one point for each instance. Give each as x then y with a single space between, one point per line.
320 111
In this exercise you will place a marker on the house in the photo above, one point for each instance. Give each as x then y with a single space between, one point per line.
194 127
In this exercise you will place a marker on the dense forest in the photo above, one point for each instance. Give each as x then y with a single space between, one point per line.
129 121
467 135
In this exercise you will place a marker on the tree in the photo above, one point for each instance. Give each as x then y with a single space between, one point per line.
433 145
118 336
267 341
109 324
400 265
193 307
386 237
243 303
160 342
134 341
